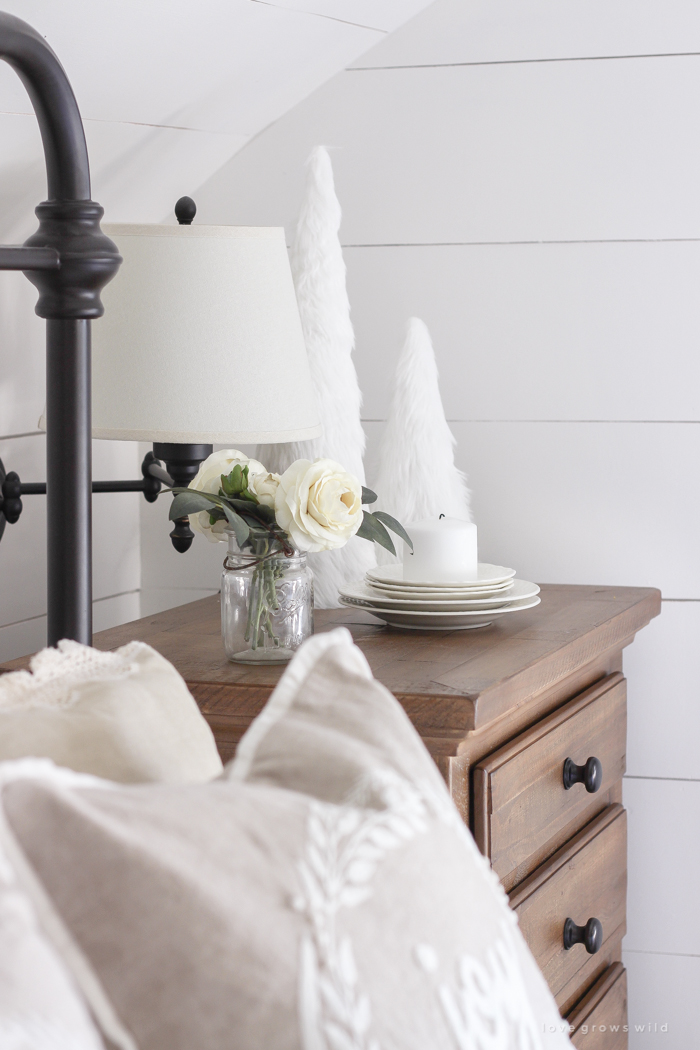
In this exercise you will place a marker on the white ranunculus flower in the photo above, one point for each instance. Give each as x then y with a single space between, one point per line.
264 486
208 479
319 504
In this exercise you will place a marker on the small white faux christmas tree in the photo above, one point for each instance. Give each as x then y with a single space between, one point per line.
319 277
418 478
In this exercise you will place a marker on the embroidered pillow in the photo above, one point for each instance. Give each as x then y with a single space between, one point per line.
125 715
322 895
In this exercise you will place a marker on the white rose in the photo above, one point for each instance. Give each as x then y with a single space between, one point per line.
319 504
264 486
208 479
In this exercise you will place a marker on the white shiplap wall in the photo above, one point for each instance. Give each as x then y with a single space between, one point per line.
169 90
522 174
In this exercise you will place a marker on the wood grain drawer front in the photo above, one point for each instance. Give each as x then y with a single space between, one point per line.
585 879
600 1019
520 802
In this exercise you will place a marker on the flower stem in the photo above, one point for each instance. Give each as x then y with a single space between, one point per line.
263 599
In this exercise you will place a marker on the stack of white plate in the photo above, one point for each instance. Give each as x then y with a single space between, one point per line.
441 606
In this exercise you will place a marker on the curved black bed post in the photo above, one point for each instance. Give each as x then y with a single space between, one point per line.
69 260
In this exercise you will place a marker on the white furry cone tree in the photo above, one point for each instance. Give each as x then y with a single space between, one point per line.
418 478
319 277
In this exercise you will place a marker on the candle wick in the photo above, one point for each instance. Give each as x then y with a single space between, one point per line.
441 516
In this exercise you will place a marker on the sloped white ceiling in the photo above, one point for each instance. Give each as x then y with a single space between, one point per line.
169 90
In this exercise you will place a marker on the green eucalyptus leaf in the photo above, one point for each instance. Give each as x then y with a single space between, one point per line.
368 496
256 511
241 503
363 533
240 528
394 525
189 501
372 529
213 497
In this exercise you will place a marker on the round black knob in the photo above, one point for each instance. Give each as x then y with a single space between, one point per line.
591 775
11 486
185 211
590 935
11 502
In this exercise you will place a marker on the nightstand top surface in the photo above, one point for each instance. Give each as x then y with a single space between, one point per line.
468 678
472 677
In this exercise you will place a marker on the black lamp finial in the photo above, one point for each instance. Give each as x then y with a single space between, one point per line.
185 211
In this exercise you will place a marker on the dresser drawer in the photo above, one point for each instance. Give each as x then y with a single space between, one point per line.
521 804
586 879
600 1019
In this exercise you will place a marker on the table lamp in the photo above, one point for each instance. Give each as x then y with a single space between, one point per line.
201 343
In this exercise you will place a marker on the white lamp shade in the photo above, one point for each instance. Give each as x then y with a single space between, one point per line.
201 339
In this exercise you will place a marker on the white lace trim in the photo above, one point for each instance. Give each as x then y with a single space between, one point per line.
56 672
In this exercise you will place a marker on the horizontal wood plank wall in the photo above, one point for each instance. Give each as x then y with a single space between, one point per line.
523 176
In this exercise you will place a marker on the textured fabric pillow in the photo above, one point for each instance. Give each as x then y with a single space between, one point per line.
40 1007
322 895
125 715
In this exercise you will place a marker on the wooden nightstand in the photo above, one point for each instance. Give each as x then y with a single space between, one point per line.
503 710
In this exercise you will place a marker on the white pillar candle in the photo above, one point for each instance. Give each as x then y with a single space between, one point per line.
444 551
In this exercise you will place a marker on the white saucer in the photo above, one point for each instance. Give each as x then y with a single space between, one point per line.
443 621
487 575
393 590
364 595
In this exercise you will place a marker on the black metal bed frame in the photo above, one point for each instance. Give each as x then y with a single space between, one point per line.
69 260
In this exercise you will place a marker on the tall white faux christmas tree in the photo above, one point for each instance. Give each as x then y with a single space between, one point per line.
418 478
319 277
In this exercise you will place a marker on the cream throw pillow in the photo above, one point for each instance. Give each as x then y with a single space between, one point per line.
323 895
125 715
40 1006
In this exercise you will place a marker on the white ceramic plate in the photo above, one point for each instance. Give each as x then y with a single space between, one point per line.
435 621
487 575
391 590
364 595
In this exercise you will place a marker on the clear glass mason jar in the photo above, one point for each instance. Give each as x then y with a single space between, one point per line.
267 603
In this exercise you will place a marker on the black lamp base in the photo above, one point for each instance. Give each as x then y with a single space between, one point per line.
182 463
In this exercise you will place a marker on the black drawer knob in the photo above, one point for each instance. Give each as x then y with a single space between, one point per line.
590 935
591 774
